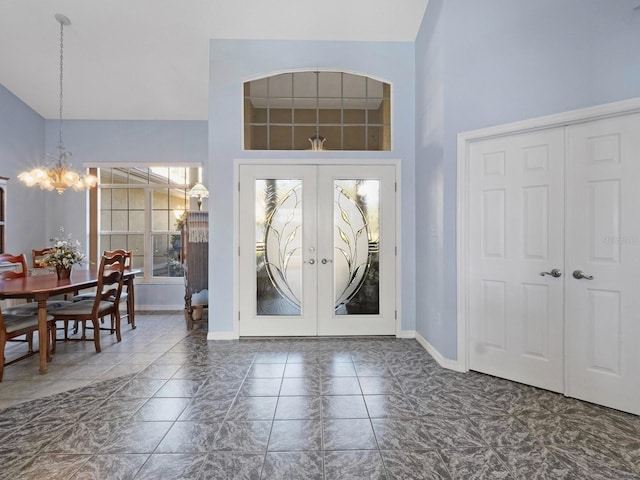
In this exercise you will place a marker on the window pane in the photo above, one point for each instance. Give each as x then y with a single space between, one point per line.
330 116
138 176
136 221
330 84
305 115
354 86
355 116
160 221
302 135
120 220
354 138
280 85
280 138
136 198
105 198
104 175
305 84
119 198
280 115
166 255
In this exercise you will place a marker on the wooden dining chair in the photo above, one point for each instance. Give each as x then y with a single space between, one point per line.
124 296
106 302
13 326
22 271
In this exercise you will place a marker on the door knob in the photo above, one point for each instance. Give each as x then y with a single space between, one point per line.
556 273
579 274
324 261
311 262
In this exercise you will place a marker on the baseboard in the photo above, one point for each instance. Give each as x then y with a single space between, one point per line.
221 336
160 308
437 356
406 334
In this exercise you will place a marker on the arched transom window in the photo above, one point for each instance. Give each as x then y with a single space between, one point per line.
317 111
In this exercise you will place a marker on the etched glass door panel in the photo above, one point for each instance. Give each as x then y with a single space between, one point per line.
278 216
356 214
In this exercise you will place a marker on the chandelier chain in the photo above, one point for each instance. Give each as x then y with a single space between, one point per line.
61 76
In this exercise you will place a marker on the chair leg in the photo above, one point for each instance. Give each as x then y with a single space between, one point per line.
53 335
117 320
30 342
3 342
96 333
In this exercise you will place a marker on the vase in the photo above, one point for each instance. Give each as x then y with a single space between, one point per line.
63 272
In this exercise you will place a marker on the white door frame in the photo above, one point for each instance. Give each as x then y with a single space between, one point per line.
313 161
463 185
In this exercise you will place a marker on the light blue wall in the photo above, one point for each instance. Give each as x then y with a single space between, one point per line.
430 90
503 61
232 62
22 134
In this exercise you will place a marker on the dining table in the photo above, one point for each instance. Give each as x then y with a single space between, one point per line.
41 287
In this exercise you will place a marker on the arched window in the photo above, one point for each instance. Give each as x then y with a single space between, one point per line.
317 111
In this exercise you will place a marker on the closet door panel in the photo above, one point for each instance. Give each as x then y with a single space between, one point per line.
603 241
516 226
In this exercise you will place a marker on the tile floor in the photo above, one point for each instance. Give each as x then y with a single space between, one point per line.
164 404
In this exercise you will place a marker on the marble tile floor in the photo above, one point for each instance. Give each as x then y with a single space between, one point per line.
292 408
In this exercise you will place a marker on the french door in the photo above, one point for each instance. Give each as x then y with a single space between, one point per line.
317 250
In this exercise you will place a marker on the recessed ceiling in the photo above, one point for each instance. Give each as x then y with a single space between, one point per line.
149 59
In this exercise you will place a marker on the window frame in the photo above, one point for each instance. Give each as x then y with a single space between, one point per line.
260 122
95 213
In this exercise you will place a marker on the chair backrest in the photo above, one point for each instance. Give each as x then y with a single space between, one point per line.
14 259
128 256
38 259
110 279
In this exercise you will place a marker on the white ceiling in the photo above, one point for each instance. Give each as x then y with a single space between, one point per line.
149 59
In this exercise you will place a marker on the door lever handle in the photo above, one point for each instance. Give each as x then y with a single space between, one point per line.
311 262
556 273
579 274
324 261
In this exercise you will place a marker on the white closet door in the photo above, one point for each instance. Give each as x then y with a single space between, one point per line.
603 241
516 229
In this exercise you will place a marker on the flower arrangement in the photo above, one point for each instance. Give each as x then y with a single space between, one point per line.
64 252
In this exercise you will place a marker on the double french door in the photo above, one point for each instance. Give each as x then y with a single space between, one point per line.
317 250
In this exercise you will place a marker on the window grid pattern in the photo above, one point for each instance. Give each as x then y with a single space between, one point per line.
283 112
140 210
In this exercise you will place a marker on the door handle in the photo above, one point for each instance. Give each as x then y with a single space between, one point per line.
324 261
311 262
556 273
579 274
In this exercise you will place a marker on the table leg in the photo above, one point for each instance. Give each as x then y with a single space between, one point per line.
43 335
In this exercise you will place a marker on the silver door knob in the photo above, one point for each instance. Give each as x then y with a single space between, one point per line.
324 261
311 262
556 273
579 274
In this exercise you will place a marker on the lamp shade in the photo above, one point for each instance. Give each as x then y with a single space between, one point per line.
199 190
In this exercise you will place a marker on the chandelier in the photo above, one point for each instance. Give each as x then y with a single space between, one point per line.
58 174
